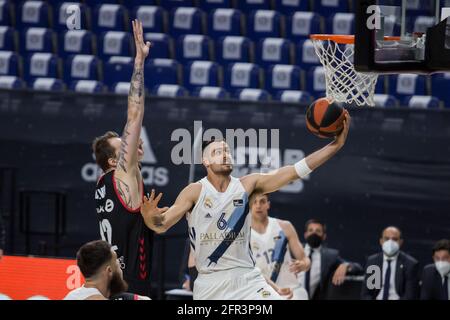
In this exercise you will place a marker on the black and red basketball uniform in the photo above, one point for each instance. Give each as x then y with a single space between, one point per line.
125 229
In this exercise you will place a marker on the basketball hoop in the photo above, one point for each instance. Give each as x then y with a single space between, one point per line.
343 82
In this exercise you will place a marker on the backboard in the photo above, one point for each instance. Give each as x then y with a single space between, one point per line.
402 36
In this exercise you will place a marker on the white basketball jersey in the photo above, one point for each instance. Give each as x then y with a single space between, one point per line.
219 228
82 293
263 247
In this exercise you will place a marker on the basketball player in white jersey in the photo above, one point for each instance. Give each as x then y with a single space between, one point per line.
219 223
275 244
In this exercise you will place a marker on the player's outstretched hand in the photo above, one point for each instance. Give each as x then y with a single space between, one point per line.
150 210
342 137
142 48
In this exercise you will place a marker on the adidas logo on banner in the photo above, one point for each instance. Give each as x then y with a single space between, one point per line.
208 216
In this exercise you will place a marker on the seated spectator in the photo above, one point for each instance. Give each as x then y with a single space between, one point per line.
435 277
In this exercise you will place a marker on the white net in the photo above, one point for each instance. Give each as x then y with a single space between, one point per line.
343 82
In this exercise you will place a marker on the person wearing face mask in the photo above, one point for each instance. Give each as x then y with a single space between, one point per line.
326 264
399 270
436 276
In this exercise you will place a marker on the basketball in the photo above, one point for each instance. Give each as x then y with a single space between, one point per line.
325 119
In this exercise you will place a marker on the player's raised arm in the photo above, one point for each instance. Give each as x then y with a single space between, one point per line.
301 262
275 180
162 219
128 157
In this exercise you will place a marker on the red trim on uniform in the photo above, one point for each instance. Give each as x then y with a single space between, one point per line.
135 297
138 210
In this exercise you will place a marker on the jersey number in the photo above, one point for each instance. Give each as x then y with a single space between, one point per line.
222 223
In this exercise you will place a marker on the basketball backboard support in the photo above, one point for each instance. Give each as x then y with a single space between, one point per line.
402 36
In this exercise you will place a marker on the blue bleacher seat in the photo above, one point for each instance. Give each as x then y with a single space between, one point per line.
5 13
287 7
172 4
249 94
301 25
263 24
403 85
48 84
76 42
122 88
327 8
422 23
87 86
9 63
420 7
294 96
162 46
341 23
210 93
193 47
61 16
283 77
233 49
208 5
242 75
161 71
186 20
440 84
37 40
42 65
110 17
11 82
422 102
380 87
7 39
132 4
249 5
385 101
33 14
306 56
115 43
118 69
316 83
273 51
152 18
225 22
81 67
200 74
169 90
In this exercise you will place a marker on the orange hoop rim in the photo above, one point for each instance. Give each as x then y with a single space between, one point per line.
344 39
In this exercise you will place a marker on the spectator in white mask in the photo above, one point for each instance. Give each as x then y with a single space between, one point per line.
435 276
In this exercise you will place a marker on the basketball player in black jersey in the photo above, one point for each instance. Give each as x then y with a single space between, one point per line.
120 190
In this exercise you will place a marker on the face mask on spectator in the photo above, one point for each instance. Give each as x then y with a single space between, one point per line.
443 267
314 240
390 248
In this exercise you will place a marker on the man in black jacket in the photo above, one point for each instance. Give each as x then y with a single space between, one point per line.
435 277
399 271
326 264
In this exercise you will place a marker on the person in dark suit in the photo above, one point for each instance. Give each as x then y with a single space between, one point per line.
399 271
326 264
435 277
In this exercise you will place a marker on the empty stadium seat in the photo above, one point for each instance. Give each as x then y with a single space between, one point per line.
81 67
403 85
7 39
380 87
328 7
294 96
420 7
169 90
242 75
440 84
316 82
42 65
5 13
301 25
122 88
87 86
249 5
422 23
186 20
110 17
273 51
422 102
33 14
306 55
11 82
193 47
263 24
118 69
48 84
61 16
287 7
76 42
37 40
161 71
385 101
201 73
209 5
283 77
341 23
132 4
252 95
162 46
115 43
152 18
172 4
210 93
233 49
225 22
9 63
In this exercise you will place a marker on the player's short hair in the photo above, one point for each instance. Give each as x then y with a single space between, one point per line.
315 221
206 143
400 231
103 150
443 244
92 255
